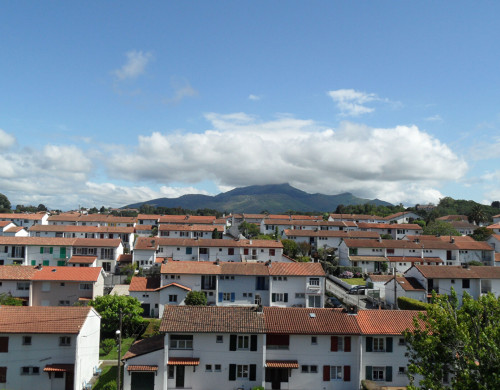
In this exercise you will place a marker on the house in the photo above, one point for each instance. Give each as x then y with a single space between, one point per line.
91 220
5 225
16 281
25 220
48 347
396 230
409 287
269 225
147 249
187 219
144 230
356 218
402 217
233 284
190 231
475 280
495 227
105 250
325 238
496 218
65 286
15 231
148 219
279 348
377 283
463 227
454 217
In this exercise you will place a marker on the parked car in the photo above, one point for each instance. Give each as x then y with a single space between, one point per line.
333 302
357 290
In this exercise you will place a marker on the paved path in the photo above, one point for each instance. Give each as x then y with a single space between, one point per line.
340 292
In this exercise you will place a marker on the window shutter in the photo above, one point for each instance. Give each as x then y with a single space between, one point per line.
253 371
369 373
388 343
51 250
369 344
388 374
41 249
3 374
232 342
221 296
273 297
334 344
347 373
285 297
326 373
347 344
253 342
4 344
233 297
232 372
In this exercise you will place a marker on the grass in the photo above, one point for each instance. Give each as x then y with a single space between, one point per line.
113 355
152 328
355 281
108 375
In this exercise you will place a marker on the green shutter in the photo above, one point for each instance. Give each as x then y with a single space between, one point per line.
61 263
369 344
33 262
51 250
388 374
46 263
388 342
369 373
41 249
62 253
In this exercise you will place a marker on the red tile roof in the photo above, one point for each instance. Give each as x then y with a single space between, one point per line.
291 320
16 272
183 361
139 283
5 223
142 368
380 322
458 272
407 226
63 228
148 216
59 368
173 284
359 243
147 345
97 242
296 269
413 259
190 228
14 229
37 241
124 259
282 363
190 268
409 284
33 217
43 319
68 274
211 319
380 278
82 259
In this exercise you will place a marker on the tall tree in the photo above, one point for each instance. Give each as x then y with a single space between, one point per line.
456 347
440 228
4 204
477 214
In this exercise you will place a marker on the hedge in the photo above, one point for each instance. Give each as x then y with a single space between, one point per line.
405 303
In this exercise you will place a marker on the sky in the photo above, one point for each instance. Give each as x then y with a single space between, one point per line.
116 102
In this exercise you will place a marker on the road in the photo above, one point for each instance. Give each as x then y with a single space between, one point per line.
341 293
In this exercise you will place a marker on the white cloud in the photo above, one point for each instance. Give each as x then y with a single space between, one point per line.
253 97
6 140
135 65
240 150
183 89
353 103
434 118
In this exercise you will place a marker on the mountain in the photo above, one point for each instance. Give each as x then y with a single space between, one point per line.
275 198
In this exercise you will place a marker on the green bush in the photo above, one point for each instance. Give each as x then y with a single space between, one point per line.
109 386
195 298
107 345
405 303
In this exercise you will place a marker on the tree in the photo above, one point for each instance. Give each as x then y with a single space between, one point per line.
481 234
440 228
495 204
108 307
477 214
195 298
249 230
41 207
290 248
4 204
9 300
107 345
461 344
304 248
216 234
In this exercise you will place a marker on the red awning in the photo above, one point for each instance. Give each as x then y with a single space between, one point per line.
282 363
181 361
142 368
59 368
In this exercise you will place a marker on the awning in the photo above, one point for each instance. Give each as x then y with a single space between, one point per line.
282 364
59 368
143 368
181 361
82 259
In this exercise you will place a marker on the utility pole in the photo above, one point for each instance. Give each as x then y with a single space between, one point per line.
119 334
395 289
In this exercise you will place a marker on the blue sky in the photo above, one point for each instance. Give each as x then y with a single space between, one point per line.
109 103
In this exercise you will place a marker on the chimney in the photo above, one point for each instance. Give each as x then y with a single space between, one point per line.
268 263
379 239
452 240
250 242
217 262
39 267
259 309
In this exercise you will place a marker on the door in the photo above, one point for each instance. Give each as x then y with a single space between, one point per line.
62 253
68 383
276 376
179 376
448 255
143 381
147 309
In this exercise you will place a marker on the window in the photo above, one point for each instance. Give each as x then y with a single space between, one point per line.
279 297
172 298
25 286
309 369
62 284
30 370
217 368
171 372
314 340
278 341
335 373
3 374
26 340
181 341
106 266
85 286
242 371
402 341
314 301
242 342
107 253
189 250
219 338
226 296
65 341
272 252
314 281
402 371
300 295
230 251
208 367
465 283
378 373
63 303
378 344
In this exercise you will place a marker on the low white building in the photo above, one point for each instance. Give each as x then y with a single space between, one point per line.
396 230
25 220
190 231
408 287
231 348
48 347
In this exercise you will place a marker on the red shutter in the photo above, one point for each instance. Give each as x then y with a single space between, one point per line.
334 344
326 373
347 344
347 373
4 344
